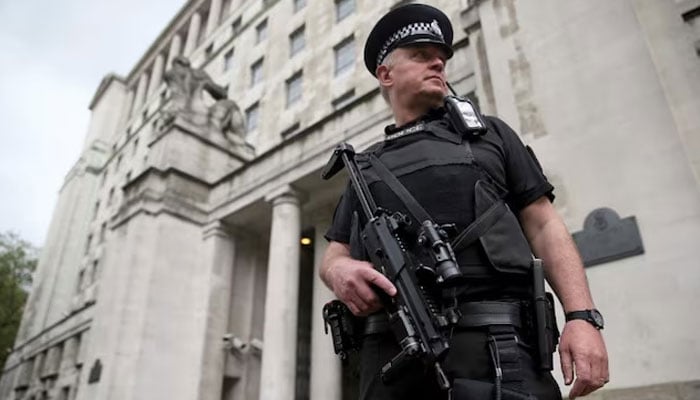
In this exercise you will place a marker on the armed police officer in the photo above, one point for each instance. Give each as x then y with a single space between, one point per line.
484 182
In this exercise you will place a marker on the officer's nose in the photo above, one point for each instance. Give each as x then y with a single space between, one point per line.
437 64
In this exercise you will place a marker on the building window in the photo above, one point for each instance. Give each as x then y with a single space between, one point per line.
81 279
96 210
118 164
236 25
88 244
344 55
128 176
136 146
95 270
256 73
299 4
296 41
251 117
294 88
103 231
343 8
261 31
209 51
228 60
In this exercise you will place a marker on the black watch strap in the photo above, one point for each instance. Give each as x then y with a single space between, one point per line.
594 317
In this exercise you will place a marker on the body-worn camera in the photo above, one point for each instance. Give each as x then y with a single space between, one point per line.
464 116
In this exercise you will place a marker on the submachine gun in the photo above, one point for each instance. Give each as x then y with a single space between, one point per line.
415 318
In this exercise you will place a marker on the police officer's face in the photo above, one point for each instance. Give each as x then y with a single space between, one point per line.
416 75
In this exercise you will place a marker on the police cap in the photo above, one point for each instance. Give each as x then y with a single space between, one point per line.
404 26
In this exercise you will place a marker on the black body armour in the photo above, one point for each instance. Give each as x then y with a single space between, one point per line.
441 170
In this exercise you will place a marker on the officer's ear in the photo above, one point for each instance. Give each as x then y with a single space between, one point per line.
384 75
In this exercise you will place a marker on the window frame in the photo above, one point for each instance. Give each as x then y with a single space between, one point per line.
261 31
347 11
256 72
297 35
349 64
228 59
294 86
253 109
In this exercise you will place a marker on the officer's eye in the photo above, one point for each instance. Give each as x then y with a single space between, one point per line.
420 55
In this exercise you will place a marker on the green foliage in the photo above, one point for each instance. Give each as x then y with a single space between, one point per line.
18 260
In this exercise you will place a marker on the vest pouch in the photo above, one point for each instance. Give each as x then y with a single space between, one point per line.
504 243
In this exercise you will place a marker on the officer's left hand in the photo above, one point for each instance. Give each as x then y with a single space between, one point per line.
582 350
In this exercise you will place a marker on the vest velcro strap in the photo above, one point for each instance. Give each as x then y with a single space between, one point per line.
479 226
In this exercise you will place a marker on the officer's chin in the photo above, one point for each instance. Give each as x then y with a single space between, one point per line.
435 98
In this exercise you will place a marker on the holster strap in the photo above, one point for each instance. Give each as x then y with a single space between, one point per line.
503 342
487 313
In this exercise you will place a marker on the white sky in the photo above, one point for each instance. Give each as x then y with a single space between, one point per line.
53 55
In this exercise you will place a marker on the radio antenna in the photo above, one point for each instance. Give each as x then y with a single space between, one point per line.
451 89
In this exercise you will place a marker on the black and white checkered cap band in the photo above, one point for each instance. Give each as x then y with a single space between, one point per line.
416 28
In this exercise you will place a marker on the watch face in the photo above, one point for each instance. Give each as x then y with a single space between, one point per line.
597 318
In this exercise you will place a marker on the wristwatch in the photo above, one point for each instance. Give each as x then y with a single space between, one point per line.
593 317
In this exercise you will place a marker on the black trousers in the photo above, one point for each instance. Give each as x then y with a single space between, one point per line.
469 365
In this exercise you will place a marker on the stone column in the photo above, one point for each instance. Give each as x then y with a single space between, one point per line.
140 93
156 74
129 102
278 370
326 370
218 259
174 51
192 34
214 14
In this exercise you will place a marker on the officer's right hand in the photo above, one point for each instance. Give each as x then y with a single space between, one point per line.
352 281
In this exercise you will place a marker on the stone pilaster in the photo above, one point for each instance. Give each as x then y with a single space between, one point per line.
174 51
129 102
326 370
156 74
214 14
140 93
280 330
218 259
193 33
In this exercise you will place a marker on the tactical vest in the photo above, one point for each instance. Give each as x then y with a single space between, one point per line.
494 227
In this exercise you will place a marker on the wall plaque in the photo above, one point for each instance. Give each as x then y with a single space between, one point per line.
605 237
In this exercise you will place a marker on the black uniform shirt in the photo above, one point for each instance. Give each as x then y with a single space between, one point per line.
438 189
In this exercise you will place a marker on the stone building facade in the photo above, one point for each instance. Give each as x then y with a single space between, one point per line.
173 267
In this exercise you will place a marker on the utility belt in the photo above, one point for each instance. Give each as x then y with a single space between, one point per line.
506 323
474 315
516 317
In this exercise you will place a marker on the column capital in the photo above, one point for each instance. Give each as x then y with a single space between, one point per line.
217 228
285 194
